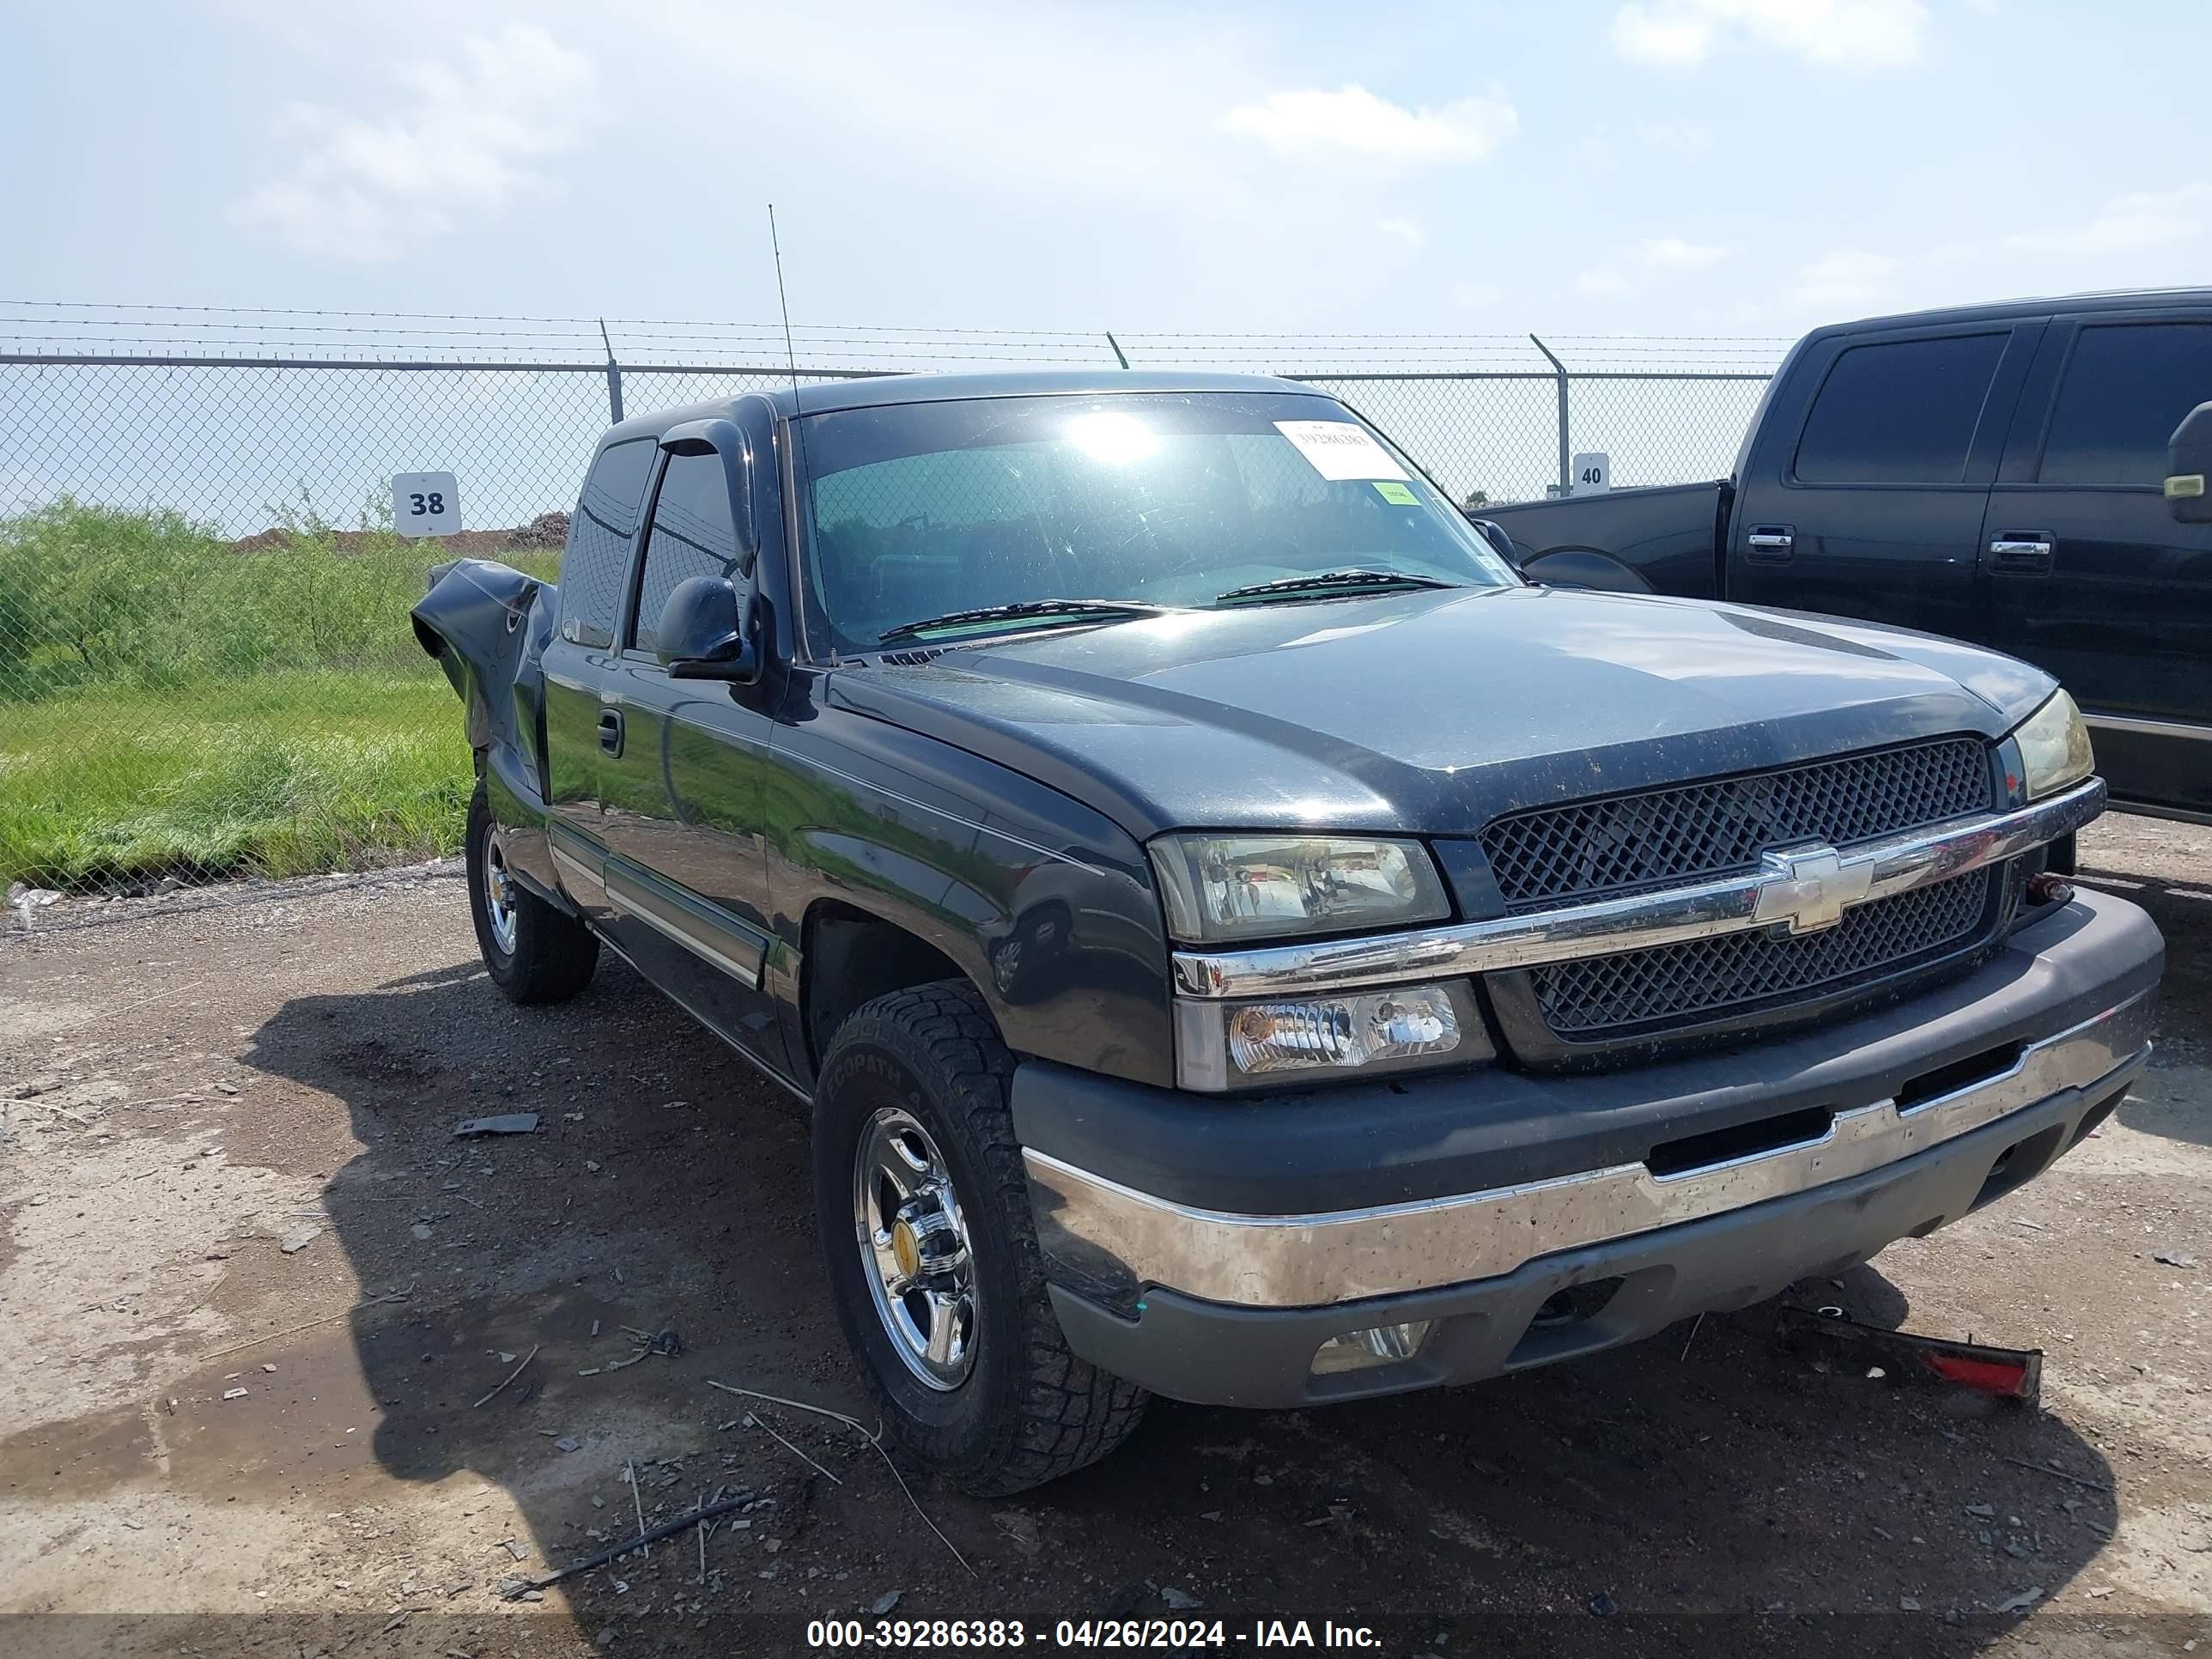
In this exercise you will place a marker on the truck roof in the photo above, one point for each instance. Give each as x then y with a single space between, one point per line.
872 391
2126 299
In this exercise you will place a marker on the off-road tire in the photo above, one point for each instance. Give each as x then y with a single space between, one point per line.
1028 1411
554 953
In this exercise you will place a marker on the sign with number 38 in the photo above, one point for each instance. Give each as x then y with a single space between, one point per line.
425 504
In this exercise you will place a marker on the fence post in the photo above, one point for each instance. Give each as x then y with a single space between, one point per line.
1566 458
1120 355
614 376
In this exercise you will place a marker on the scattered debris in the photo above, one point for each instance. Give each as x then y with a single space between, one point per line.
1180 1601
2173 1258
2007 1373
2058 1474
300 1238
875 1439
512 1374
1986 1511
517 1589
569 1443
1694 1325
1603 1604
629 1470
234 1393
421 1230
1907 1604
505 1123
2021 1603
884 1603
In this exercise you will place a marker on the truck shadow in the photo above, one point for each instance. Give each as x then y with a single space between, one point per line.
1705 1476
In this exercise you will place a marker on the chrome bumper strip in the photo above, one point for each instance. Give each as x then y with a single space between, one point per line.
1109 1230
1789 889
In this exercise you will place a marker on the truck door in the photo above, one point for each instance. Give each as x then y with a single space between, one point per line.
593 569
2088 575
683 798
1864 493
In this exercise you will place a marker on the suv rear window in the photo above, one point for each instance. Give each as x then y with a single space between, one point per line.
1900 412
598 555
2127 387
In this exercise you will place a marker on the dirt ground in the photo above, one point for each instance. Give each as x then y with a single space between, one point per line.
256 1305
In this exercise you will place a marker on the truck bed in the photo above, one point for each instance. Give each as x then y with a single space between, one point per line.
1669 539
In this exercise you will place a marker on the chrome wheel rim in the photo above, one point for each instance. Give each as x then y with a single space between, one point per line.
914 1249
499 893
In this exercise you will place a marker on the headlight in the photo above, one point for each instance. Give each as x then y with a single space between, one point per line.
1225 1045
2054 747
1237 887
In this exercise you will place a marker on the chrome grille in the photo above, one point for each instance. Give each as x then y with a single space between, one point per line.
1558 855
1615 996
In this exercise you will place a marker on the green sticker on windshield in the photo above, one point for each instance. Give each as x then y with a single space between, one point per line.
1396 494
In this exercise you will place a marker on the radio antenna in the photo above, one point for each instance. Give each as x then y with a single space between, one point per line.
790 352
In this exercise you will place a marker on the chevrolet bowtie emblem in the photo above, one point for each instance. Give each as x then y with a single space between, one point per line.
1809 887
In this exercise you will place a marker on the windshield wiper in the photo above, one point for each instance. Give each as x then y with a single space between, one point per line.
1074 610
1326 582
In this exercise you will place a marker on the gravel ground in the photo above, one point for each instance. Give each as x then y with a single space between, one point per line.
257 1304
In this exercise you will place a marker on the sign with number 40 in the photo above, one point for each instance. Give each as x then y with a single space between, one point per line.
425 504
1593 472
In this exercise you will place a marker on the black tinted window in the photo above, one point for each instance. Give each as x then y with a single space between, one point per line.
692 535
1899 413
2126 388
598 555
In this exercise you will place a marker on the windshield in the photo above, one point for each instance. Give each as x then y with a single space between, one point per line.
919 511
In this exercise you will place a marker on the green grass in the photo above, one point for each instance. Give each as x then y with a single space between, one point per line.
279 774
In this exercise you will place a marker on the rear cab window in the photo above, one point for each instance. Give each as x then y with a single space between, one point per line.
1899 412
2126 386
595 563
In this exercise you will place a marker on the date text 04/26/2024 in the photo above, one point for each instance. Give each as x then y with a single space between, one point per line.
1157 1634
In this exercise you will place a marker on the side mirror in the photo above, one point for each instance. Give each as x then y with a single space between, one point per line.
2188 459
707 632
1500 542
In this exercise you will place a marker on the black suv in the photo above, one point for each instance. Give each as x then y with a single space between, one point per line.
1236 939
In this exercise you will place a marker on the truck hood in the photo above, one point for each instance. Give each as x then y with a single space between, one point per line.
1431 713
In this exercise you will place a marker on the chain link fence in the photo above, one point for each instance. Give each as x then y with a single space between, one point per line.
206 673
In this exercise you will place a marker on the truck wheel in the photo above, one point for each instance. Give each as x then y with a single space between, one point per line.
932 1255
533 952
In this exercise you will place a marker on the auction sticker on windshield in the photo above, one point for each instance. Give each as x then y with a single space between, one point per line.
1338 450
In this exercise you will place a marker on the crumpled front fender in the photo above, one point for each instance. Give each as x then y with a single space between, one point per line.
488 624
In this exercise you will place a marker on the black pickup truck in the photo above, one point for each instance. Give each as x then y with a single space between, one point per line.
1992 473
1232 937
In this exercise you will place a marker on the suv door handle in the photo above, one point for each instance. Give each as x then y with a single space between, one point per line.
610 730
1771 544
2022 552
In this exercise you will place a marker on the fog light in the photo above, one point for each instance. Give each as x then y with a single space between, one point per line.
1221 1045
1378 1344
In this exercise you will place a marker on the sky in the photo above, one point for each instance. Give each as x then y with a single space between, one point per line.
1671 168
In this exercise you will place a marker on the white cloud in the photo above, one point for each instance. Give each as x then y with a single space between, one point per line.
2137 222
1659 256
1845 277
1353 120
1681 32
1672 253
468 138
1404 230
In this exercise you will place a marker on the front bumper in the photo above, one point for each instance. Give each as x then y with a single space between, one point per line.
1902 1122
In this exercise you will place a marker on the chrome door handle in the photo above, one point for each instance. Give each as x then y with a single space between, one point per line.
2020 553
1767 542
1771 544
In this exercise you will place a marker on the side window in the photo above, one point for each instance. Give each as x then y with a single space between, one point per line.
692 535
598 555
2127 387
1902 412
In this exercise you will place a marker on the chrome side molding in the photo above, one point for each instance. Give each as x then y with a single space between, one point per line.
1804 889
1110 1234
